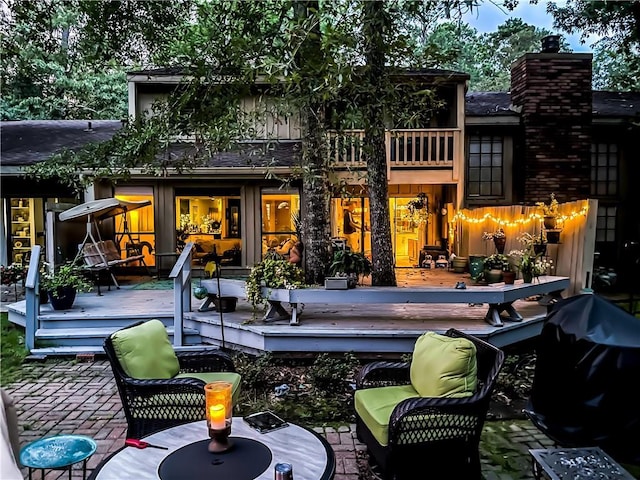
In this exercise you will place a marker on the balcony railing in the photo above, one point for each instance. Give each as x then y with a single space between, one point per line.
425 148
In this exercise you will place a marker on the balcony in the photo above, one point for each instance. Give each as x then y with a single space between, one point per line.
426 148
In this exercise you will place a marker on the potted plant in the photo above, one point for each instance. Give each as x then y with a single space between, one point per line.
272 273
349 264
63 283
549 212
527 261
499 239
494 265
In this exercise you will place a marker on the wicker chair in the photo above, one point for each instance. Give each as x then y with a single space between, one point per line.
153 404
430 437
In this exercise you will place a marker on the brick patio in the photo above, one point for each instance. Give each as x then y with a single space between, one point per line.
71 396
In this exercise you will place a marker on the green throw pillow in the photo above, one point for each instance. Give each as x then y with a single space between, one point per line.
444 366
145 352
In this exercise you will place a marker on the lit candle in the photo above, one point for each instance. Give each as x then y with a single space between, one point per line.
217 417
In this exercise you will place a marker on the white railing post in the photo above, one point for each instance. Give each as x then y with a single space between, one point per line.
32 298
181 274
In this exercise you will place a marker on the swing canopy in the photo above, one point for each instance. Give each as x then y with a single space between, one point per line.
102 208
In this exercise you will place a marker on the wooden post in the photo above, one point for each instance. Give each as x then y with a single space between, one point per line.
32 297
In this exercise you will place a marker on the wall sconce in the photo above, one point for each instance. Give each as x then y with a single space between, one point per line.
219 413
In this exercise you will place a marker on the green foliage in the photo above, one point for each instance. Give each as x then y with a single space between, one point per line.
13 350
328 375
66 275
272 273
319 391
498 261
346 262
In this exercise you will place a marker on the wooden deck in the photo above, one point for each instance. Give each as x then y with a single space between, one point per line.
361 328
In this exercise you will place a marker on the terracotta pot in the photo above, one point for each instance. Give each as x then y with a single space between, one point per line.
509 277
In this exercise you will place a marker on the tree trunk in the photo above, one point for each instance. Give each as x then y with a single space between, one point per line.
374 25
315 215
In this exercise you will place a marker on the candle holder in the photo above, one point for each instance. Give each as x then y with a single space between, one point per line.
219 412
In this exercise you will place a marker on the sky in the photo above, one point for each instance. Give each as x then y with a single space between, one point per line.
488 16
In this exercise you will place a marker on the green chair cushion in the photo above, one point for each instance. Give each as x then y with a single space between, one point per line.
145 352
444 366
374 407
208 377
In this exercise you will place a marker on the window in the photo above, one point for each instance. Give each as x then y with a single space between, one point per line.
604 169
486 166
280 220
211 219
136 228
606 225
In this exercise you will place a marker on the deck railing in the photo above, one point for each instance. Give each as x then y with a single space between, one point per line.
32 298
181 275
426 148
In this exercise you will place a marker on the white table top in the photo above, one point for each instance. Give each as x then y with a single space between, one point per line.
310 454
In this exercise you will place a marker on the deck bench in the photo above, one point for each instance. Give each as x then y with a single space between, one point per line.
498 296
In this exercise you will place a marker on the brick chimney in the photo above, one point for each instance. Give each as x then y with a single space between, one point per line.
553 91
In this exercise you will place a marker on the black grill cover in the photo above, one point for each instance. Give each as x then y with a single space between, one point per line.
585 387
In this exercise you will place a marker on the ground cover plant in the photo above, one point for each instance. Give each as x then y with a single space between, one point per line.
13 351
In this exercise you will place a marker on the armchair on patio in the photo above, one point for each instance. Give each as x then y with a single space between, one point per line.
427 415
159 387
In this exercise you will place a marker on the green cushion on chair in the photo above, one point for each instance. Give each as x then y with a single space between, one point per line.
444 366
145 352
374 406
208 377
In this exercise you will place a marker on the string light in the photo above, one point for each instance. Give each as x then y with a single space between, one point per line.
533 217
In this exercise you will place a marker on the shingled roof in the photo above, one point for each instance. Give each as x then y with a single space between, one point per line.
605 104
26 142
30 141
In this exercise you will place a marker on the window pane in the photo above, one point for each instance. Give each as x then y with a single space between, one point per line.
474 174
279 220
485 189
474 147
485 175
474 161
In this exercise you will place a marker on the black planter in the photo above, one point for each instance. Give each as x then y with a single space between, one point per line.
65 298
540 249
228 304
43 296
553 236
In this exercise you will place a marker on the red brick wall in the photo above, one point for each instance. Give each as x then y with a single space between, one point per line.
554 92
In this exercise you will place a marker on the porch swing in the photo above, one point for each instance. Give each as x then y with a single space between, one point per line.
100 255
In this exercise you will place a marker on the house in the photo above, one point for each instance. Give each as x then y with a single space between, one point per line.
550 134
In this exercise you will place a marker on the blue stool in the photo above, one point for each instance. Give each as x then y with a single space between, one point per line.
58 453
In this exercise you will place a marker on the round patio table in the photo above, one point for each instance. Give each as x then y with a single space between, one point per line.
59 452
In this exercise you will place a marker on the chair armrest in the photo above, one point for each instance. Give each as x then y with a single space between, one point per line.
445 418
168 385
380 374
205 361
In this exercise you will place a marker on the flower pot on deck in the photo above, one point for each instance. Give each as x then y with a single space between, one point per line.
64 298
553 236
476 266
459 264
509 278
225 304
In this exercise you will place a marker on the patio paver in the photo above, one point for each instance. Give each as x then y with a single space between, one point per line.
70 396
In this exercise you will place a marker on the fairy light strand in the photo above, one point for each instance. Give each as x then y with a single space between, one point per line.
502 222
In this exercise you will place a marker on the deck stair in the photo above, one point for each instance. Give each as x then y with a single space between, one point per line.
81 331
